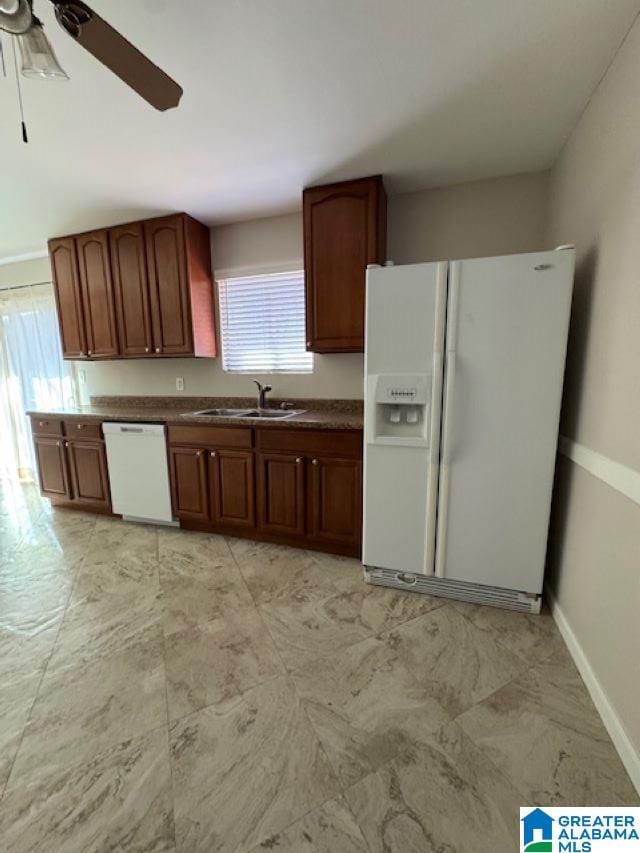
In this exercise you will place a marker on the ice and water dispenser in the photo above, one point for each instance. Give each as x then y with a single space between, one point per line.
400 410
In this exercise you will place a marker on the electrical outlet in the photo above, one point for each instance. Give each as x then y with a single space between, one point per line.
179 383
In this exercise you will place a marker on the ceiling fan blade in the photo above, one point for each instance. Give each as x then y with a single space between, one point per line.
119 55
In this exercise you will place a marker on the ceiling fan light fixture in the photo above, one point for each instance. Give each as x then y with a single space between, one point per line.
15 16
38 57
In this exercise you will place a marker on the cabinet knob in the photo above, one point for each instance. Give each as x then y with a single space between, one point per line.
213 453
314 461
41 423
58 443
198 453
299 460
308 343
157 349
79 426
147 349
90 352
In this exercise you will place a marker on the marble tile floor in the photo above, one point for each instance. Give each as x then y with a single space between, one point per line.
170 691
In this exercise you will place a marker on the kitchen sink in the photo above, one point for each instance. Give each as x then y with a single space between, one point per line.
223 413
268 414
275 414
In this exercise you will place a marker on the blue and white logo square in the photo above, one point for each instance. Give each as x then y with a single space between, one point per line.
579 830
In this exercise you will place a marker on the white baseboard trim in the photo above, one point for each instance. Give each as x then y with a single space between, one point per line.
630 758
620 477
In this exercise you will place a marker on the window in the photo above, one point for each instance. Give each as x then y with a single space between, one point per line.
262 322
32 372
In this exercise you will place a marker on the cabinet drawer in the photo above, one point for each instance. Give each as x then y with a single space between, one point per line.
45 426
321 442
211 436
83 429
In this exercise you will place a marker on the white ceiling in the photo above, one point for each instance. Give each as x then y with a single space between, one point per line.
284 93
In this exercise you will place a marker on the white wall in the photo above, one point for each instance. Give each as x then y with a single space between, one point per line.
259 244
595 547
17 274
334 376
500 216
489 217
264 245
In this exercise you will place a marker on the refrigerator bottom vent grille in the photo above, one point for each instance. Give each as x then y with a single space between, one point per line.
472 592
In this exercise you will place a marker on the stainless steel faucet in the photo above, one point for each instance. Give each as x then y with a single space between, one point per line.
262 393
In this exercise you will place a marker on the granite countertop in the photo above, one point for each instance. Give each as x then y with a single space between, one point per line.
318 414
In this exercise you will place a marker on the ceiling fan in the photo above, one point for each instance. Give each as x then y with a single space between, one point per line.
95 35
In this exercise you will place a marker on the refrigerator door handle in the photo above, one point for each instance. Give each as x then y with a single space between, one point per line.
436 406
447 408
437 380
434 462
445 466
447 418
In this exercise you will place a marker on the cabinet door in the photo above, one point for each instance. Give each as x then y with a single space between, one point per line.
66 285
344 230
52 467
97 294
131 289
231 488
335 492
88 473
189 483
281 500
168 285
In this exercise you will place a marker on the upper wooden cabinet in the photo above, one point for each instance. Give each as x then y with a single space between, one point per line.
138 290
172 330
97 294
131 288
64 266
344 231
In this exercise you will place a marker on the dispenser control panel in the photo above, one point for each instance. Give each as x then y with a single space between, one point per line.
403 395
408 389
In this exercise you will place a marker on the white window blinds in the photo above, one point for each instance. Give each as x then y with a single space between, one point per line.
262 321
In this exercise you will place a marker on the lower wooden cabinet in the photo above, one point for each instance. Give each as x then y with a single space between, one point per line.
213 486
335 500
189 483
51 459
281 499
231 488
72 471
88 473
296 487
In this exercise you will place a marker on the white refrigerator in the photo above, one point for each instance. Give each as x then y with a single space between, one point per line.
464 365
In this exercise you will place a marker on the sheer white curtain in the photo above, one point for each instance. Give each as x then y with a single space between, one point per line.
32 372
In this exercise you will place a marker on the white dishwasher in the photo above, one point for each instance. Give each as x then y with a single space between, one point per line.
139 471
